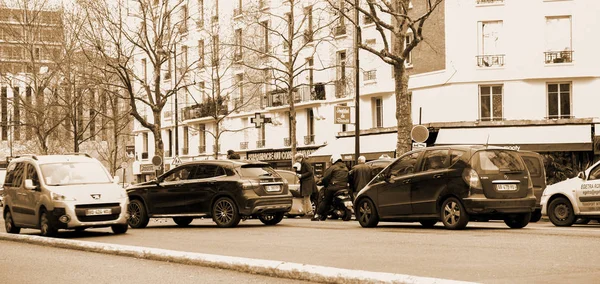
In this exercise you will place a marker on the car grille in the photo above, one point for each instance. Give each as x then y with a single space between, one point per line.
80 212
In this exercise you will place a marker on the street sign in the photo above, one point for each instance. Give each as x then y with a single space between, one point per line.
419 133
157 160
176 161
130 150
341 115
416 145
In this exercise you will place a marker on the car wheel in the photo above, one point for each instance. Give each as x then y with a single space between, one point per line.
517 221
119 229
182 221
9 224
225 213
560 212
270 219
428 223
536 216
366 214
582 221
46 227
454 215
347 215
138 217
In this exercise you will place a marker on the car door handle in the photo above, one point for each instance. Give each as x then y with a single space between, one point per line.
406 181
438 176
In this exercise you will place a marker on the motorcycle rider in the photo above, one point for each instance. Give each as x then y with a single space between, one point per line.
335 178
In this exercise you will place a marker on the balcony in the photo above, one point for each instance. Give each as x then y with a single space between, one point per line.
341 88
370 75
301 94
287 142
205 109
309 139
144 155
201 149
260 143
340 30
243 145
185 151
565 56
490 60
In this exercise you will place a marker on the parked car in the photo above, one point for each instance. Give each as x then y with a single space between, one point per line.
535 166
52 192
579 197
453 184
225 190
294 188
2 176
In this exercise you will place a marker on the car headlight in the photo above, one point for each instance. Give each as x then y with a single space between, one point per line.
60 197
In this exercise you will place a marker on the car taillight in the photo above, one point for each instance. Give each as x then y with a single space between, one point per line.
248 185
472 179
529 183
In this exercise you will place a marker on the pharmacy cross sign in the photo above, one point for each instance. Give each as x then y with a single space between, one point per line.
259 120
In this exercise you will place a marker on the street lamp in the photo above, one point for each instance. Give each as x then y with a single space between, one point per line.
357 85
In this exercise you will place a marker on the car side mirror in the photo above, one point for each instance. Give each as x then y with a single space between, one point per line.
581 175
29 184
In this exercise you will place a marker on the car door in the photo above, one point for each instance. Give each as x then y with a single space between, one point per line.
394 194
588 194
171 193
429 181
31 197
206 185
13 185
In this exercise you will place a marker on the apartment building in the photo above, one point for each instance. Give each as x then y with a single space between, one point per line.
521 74
323 78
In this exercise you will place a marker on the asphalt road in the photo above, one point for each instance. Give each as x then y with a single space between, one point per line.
27 263
484 252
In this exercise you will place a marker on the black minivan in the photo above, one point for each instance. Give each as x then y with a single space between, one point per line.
453 184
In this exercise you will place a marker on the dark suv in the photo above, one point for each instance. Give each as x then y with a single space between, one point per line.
226 190
453 184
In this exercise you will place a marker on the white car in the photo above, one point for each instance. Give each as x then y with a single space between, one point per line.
577 197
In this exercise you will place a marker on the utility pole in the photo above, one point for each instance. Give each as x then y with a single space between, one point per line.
176 105
357 86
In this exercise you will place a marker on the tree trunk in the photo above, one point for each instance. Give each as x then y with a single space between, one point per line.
158 142
403 109
217 136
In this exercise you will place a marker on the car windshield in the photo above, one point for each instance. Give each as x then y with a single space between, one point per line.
69 173
257 170
494 161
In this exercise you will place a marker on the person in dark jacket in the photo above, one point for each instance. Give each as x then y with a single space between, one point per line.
232 155
359 176
307 182
334 179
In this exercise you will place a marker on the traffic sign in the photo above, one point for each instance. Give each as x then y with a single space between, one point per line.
416 145
176 161
157 160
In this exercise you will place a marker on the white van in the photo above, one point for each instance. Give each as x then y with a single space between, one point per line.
577 197
53 192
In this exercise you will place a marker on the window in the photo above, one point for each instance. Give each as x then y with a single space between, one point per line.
180 173
16 113
202 91
408 59
370 75
184 61
37 54
308 33
184 18
377 112
436 159
558 40
266 87
237 56
310 129
559 100
14 174
311 72
145 145
28 114
201 138
215 50
340 84
490 44
169 146
341 27
207 171
404 165
237 11
144 70
265 33
200 22
201 54
186 137
4 111
239 82
490 100
92 122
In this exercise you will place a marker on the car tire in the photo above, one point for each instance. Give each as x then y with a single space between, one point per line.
536 216
271 219
428 223
560 212
138 216
225 213
453 214
9 223
119 229
347 215
517 221
366 213
47 229
182 221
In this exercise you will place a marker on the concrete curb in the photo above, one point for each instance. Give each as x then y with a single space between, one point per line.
248 265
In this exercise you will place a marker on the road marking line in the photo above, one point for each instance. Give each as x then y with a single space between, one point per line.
249 265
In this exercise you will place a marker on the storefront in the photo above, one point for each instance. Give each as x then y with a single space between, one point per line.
278 158
143 171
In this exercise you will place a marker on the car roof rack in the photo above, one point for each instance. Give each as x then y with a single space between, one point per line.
33 156
79 154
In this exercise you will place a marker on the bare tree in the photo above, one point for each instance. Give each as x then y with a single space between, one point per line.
283 48
394 23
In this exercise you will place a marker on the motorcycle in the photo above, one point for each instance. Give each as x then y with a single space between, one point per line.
341 206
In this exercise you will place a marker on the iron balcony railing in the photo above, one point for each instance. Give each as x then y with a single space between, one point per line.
488 60
287 142
243 145
309 139
564 56
341 88
203 110
260 143
202 149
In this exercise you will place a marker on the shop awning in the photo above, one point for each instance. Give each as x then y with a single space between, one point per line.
371 146
532 138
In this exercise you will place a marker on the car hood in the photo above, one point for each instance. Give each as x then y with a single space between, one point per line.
572 183
105 192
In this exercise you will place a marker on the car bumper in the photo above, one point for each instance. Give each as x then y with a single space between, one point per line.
68 215
264 204
493 206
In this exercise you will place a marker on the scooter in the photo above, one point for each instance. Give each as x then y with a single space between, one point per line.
341 206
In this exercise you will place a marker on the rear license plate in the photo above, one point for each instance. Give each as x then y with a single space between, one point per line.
272 188
506 187
102 211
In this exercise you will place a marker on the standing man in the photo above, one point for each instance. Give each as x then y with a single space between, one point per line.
307 182
360 175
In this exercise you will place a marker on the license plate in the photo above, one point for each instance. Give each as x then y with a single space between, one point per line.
272 188
94 212
506 187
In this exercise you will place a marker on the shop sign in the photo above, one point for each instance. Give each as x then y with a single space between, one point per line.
342 115
146 168
278 155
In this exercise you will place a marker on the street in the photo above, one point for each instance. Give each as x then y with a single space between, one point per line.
485 252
